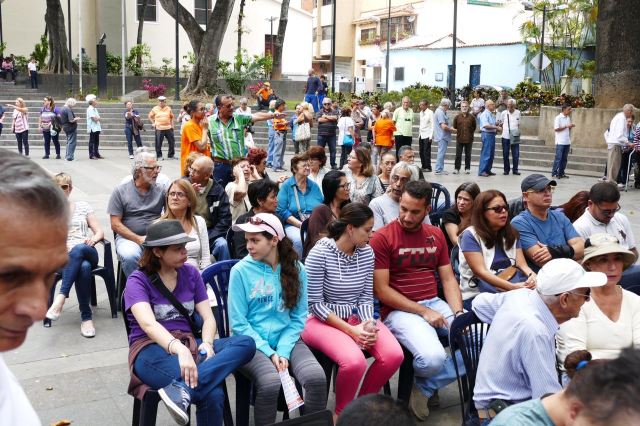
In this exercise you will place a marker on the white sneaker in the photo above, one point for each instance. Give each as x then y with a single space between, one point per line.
467 172
456 171
131 157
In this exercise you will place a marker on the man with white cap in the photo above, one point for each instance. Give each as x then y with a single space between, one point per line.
161 118
518 359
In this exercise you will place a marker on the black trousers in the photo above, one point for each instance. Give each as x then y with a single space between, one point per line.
400 142
160 135
424 145
94 142
467 155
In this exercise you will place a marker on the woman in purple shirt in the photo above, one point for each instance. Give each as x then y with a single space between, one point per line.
162 347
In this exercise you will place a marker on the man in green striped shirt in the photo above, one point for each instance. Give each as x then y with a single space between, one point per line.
226 131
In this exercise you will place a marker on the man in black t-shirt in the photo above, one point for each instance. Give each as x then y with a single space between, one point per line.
311 90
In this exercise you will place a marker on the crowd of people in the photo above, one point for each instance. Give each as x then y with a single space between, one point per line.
346 263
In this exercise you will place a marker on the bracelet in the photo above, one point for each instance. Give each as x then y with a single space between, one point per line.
461 311
169 345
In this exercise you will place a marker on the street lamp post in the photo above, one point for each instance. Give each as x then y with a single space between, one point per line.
177 95
452 79
333 47
70 56
270 19
386 84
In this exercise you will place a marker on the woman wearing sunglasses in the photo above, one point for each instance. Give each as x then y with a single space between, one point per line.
268 302
489 245
610 320
160 298
83 257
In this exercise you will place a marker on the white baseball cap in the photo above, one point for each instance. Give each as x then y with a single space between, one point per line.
563 275
262 222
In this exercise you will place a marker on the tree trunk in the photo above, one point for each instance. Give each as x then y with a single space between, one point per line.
276 70
617 76
239 48
205 44
59 51
143 9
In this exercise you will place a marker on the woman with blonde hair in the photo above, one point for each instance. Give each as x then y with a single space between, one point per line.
83 257
365 186
305 122
180 204
20 125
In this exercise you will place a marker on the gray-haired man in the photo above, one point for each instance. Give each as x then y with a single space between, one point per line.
442 134
510 119
133 205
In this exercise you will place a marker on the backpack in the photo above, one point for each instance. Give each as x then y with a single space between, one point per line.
56 124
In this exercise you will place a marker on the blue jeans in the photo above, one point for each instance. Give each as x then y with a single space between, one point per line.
279 140
515 153
331 141
442 150
293 233
157 369
47 143
128 132
631 278
129 253
432 365
487 152
82 259
71 144
222 173
220 249
560 162
312 98
270 145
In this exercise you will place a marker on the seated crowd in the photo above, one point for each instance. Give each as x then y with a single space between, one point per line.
378 277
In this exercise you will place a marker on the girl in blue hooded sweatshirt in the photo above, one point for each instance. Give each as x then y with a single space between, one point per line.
268 301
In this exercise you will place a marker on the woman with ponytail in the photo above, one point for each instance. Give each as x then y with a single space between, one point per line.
340 272
268 301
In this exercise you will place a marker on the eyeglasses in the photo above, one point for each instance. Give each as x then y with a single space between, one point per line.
345 185
397 178
549 189
609 212
152 167
497 209
179 195
65 186
587 296
254 220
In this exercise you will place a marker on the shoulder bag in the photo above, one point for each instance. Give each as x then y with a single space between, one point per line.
303 131
514 134
303 216
195 321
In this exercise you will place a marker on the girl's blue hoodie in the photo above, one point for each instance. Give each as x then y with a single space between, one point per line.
256 307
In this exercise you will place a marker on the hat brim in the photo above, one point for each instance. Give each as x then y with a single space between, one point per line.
249 227
628 257
169 241
590 279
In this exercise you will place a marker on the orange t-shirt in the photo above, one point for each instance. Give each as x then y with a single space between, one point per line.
384 129
265 93
191 131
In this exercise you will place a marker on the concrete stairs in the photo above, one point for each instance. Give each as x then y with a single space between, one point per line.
534 153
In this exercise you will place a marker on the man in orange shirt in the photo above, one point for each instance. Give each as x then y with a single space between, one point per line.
161 118
194 137
264 95
382 136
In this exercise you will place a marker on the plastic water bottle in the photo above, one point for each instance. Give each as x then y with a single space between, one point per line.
371 326
202 355
353 319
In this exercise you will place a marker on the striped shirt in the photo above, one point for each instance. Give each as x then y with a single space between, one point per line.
518 359
338 283
20 121
412 259
227 140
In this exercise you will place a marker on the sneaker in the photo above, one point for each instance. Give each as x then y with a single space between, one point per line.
516 173
621 186
506 173
442 172
418 404
467 172
278 170
177 400
46 157
456 171
57 157
491 173
131 157
563 177
426 170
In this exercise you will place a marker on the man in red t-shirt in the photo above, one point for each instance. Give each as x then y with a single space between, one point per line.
408 254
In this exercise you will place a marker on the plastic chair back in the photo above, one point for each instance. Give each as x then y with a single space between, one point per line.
217 276
467 334
231 242
440 201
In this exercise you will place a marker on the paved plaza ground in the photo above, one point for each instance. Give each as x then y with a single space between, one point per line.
85 380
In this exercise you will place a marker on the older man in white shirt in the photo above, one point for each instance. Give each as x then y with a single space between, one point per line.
425 135
616 138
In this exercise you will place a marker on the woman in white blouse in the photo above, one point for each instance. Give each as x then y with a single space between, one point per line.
610 320
83 257
365 186
181 204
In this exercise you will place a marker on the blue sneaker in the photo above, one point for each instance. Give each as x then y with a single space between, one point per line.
177 400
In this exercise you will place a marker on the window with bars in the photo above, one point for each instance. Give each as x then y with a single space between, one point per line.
150 12
399 27
201 8
398 74
367 34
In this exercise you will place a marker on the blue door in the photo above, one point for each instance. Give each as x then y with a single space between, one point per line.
474 75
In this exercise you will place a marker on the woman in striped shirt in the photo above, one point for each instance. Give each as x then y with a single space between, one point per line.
340 273
20 125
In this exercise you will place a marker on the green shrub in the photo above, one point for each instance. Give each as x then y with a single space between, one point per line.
114 64
41 50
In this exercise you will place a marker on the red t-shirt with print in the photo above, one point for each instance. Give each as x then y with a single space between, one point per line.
412 259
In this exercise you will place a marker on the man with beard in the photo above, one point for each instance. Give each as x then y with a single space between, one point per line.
133 206
408 253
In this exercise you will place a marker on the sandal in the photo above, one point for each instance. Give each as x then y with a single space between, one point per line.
87 329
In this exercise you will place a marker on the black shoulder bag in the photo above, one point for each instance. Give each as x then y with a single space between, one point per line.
195 321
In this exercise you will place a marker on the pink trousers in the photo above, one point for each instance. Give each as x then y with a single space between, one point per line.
352 364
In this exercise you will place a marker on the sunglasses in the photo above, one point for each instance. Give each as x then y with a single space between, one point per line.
254 220
497 209
549 189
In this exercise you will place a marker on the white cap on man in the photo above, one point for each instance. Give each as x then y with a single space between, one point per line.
564 275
